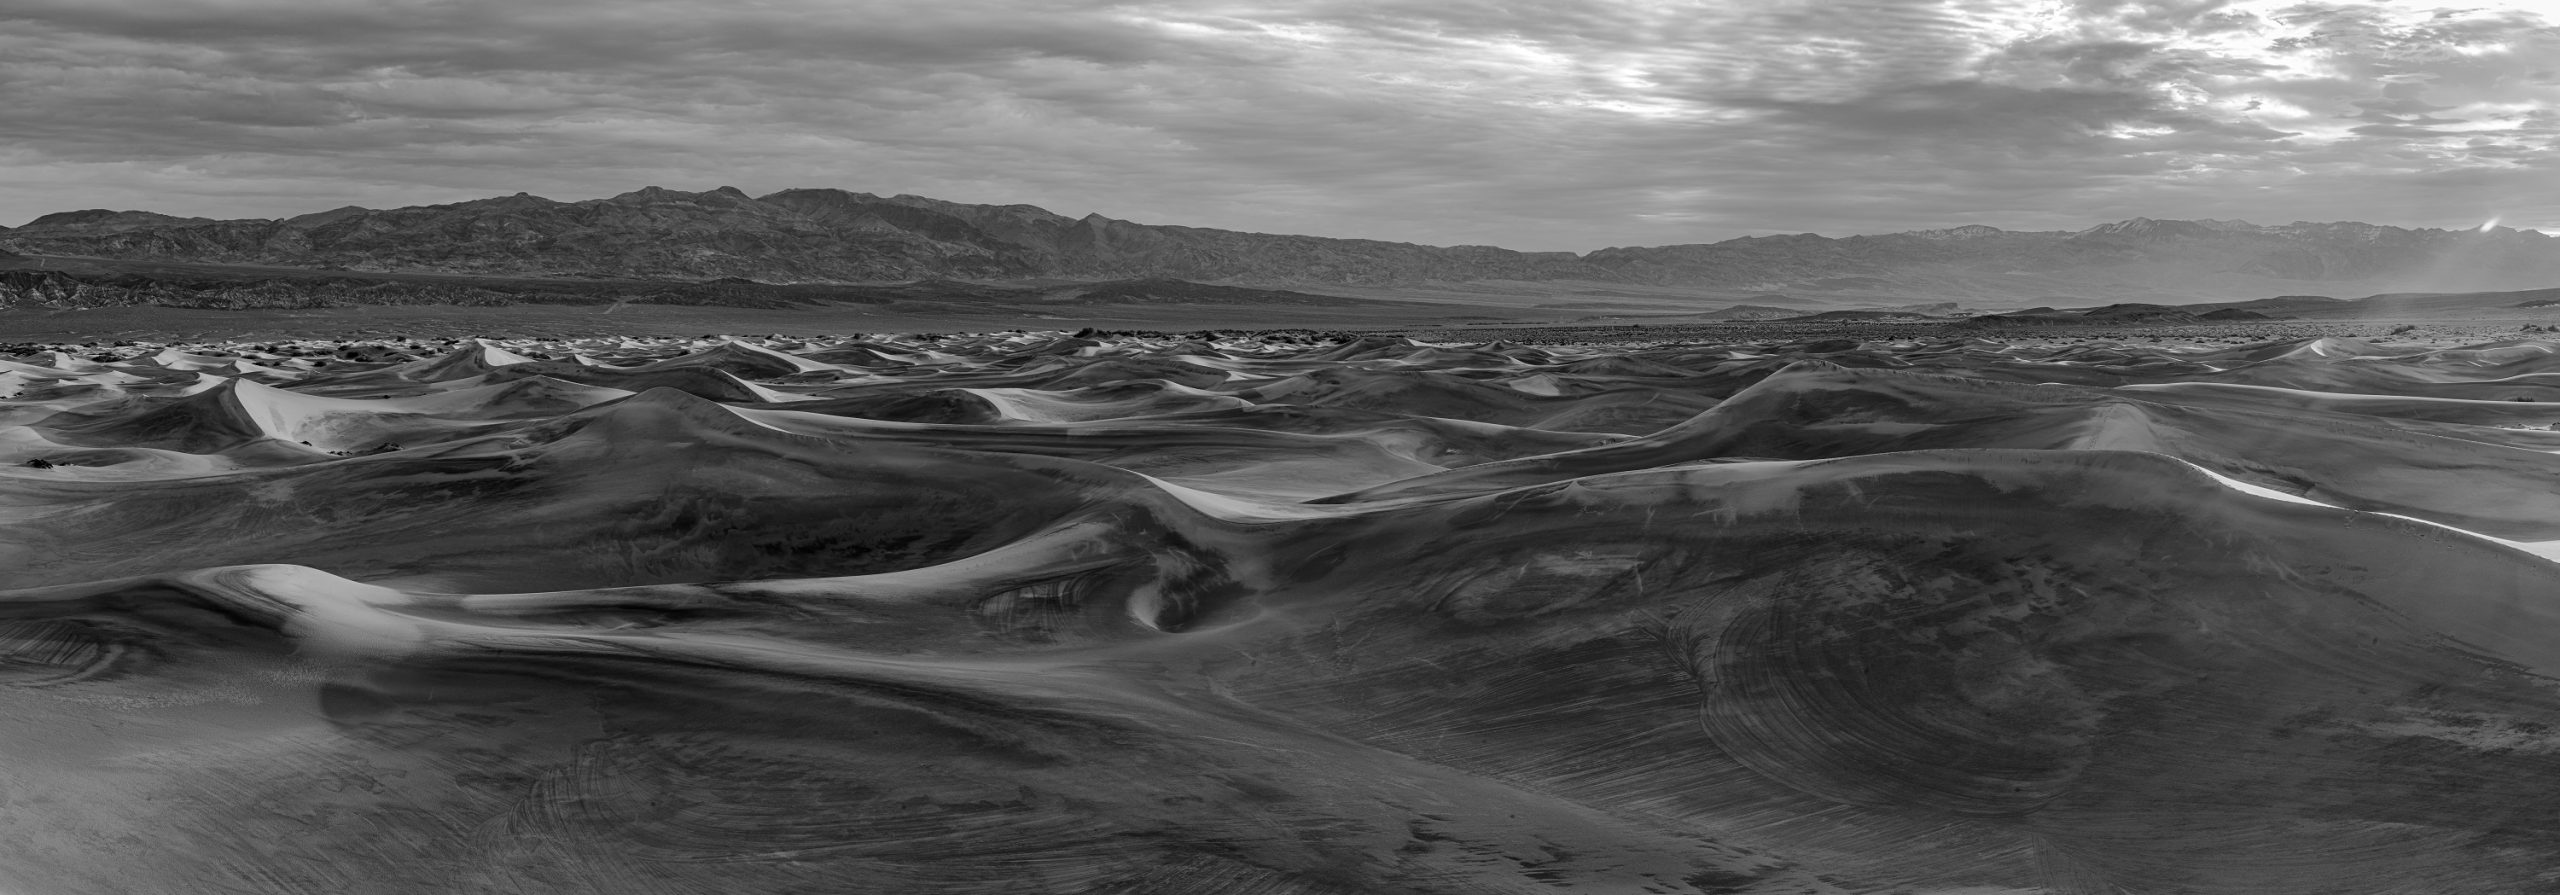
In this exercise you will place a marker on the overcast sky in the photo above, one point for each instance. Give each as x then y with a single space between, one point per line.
1557 124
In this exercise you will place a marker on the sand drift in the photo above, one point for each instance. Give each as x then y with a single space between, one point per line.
1038 613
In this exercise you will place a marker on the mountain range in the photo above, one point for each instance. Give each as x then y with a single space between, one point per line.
836 236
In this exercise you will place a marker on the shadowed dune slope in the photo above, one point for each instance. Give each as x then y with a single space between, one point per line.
1030 613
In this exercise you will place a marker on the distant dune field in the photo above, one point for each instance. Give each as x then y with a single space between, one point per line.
1050 613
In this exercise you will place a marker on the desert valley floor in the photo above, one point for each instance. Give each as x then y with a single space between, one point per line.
1034 612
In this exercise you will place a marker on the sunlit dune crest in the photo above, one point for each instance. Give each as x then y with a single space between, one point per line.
1039 612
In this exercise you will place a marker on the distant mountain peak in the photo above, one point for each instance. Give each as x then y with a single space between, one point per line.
2154 229
1968 231
101 217
324 218
657 194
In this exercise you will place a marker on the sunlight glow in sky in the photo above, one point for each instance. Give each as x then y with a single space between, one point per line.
1560 125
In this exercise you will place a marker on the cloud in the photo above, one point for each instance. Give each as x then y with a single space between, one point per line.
1571 124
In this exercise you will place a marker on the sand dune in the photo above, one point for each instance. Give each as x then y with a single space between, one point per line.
1032 612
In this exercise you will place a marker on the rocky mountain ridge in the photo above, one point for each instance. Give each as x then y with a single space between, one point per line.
837 236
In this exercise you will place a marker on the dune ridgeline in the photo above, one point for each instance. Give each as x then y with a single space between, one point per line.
1034 613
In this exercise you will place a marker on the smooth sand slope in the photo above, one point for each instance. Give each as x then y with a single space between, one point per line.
1031 613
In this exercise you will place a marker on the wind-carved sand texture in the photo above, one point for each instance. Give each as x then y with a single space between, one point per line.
1036 613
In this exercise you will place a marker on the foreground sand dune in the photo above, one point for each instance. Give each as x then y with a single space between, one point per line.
1037 613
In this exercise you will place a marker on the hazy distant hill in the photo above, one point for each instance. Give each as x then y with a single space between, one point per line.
2138 258
827 235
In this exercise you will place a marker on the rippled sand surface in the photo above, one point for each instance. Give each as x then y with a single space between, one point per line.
1033 613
